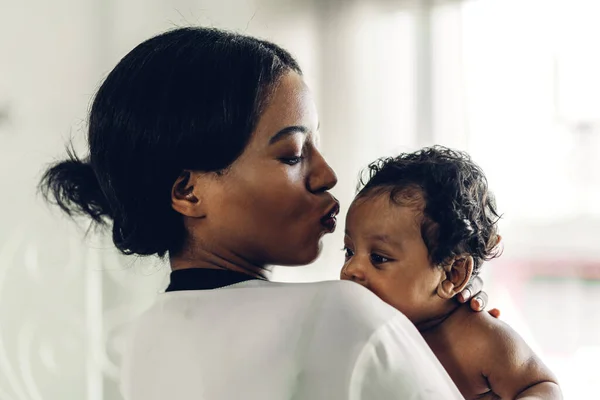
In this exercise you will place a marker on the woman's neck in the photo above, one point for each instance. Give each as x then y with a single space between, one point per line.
200 258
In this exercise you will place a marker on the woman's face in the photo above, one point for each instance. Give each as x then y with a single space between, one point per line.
272 206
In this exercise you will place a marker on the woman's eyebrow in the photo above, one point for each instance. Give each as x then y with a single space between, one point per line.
285 132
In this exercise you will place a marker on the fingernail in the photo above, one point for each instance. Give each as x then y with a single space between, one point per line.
465 295
479 303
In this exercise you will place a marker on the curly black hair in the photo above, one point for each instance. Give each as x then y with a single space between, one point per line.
459 211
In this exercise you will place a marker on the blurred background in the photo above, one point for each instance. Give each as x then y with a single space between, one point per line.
514 82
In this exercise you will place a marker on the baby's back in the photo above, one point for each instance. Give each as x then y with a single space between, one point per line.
485 358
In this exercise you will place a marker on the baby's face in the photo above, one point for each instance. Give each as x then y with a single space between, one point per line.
385 252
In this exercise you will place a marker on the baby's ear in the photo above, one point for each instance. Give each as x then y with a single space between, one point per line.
458 272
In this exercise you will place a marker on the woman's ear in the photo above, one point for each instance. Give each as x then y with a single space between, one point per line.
186 194
458 273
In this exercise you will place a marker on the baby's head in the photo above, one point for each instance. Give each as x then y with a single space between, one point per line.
419 229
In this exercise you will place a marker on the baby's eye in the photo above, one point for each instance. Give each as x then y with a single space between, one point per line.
377 259
347 253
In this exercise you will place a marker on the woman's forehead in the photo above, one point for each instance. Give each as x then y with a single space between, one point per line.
290 104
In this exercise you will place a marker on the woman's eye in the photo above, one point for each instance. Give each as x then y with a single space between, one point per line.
377 259
291 160
347 253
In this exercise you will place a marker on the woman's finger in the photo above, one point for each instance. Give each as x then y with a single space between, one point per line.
494 312
465 295
479 301
471 289
476 285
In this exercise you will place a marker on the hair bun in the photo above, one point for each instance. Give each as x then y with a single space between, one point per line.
74 187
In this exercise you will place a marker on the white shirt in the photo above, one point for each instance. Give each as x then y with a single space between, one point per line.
260 340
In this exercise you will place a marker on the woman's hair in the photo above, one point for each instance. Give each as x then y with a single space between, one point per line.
459 212
188 99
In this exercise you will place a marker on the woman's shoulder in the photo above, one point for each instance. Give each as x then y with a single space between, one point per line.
341 303
354 304
348 292
339 292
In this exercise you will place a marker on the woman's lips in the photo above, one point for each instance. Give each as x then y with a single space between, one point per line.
329 220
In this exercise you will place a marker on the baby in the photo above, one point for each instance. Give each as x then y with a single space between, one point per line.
417 232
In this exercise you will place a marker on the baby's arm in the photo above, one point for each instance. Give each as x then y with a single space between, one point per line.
544 390
512 368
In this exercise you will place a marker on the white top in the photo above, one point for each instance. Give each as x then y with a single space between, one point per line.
261 340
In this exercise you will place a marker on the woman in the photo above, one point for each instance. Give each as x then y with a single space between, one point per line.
202 149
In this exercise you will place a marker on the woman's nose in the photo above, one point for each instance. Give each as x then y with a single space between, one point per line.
323 177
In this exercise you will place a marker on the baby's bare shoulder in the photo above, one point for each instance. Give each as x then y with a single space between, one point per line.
498 353
478 337
462 345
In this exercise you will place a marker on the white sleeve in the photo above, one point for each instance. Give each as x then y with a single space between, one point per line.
396 363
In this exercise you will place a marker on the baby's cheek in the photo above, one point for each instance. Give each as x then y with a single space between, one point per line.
400 296
382 290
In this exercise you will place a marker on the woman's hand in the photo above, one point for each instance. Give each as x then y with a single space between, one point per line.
478 298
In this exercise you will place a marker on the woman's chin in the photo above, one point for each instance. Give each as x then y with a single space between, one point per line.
305 257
